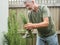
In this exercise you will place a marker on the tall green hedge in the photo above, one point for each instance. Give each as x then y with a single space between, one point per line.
13 38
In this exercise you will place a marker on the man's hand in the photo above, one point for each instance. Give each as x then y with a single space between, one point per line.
28 26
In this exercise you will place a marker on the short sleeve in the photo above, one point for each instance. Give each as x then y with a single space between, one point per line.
46 12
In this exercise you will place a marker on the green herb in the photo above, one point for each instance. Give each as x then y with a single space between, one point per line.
25 21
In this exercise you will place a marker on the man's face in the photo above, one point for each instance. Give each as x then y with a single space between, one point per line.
29 5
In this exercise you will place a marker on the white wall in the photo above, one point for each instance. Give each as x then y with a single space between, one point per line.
3 18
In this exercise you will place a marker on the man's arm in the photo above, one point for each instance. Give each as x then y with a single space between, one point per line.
45 23
46 14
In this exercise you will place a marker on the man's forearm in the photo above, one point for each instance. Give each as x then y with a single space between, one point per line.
40 25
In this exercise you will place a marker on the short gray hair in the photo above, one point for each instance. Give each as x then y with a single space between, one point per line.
28 1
